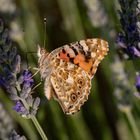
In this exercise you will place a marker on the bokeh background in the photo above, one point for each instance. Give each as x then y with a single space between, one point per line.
112 111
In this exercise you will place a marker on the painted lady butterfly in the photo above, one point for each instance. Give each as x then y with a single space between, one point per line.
68 71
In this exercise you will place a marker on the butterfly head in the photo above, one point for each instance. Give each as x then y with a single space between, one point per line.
41 52
42 61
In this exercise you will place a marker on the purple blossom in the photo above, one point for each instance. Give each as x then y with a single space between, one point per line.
121 42
137 84
3 82
129 38
27 80
15 136
19 107
7 59
18 84
133 51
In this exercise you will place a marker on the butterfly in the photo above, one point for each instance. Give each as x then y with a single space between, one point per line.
68 70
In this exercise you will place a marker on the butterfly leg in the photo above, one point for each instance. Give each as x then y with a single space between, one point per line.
36 86
37 71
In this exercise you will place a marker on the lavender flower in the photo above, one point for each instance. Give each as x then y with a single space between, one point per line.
28 81
18 84
129 39
25 104
19 107
15 136
9 61
137 84
25 84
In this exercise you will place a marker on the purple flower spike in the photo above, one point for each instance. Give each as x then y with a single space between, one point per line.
121 41
133 51
20 108
3 82
128 39
137 84
18 84
15 136
28 81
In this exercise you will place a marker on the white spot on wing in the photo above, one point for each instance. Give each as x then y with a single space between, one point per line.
70 80
85 47
69 50
70 66
93 54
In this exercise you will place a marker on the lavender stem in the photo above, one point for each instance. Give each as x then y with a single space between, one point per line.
132 124
36 123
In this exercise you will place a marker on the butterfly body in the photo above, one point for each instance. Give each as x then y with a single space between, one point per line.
68 71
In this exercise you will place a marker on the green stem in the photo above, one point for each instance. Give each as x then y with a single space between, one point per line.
38 127
133 124
35 121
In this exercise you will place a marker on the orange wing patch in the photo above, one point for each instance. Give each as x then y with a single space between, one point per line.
86 54
64 56
86 65
79 58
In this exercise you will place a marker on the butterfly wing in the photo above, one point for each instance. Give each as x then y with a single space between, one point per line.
72 86
87 54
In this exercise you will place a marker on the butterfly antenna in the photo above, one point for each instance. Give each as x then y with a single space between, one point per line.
45 27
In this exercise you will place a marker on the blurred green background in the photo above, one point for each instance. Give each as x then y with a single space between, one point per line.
111 112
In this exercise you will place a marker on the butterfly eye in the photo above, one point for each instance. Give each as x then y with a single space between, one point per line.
73 97
42 51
